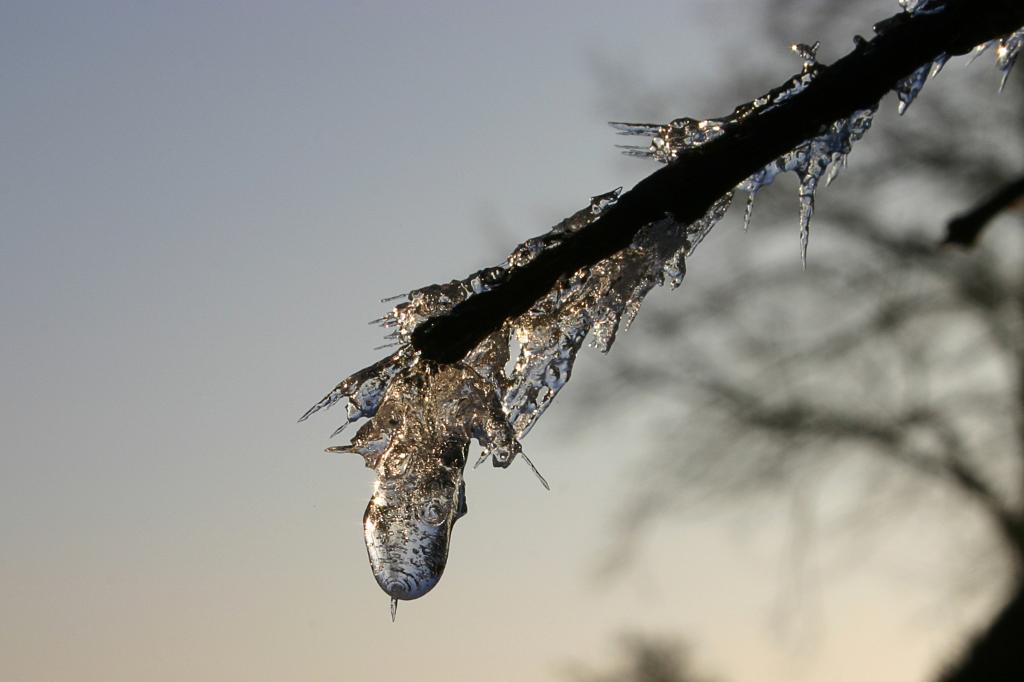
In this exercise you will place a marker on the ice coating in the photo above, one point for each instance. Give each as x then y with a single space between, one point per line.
921 6
421 416
363 390
907 89
668 140
817 158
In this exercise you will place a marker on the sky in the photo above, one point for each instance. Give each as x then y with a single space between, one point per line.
203 204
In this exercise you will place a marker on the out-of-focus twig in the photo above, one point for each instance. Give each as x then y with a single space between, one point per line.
966 227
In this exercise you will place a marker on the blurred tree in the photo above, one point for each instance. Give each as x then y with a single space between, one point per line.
645 659
894 363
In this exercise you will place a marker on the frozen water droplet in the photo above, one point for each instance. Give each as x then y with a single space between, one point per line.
808 53
394 608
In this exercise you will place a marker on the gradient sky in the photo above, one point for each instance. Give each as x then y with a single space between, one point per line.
202 205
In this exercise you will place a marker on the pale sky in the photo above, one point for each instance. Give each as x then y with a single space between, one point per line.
202 205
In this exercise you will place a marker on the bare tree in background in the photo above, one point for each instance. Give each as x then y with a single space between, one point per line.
893 356
645 659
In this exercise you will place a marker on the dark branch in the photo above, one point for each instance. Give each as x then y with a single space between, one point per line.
965 228
687 188
995 654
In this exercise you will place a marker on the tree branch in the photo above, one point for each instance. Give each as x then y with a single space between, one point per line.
949 464
965 228
687 188
995 652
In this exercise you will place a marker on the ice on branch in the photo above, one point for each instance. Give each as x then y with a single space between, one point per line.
422 415
595 301
921 6
817 158
1007 49
682 134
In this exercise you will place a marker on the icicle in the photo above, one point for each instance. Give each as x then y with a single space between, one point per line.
978 51
937 65
748 210
642 129
364 389
822 156
838 163
908 88
1006 54
1007 49
807 188
669 140
394 608
674 269
529 463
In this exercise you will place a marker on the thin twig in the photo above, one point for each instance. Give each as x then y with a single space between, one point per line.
965 228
